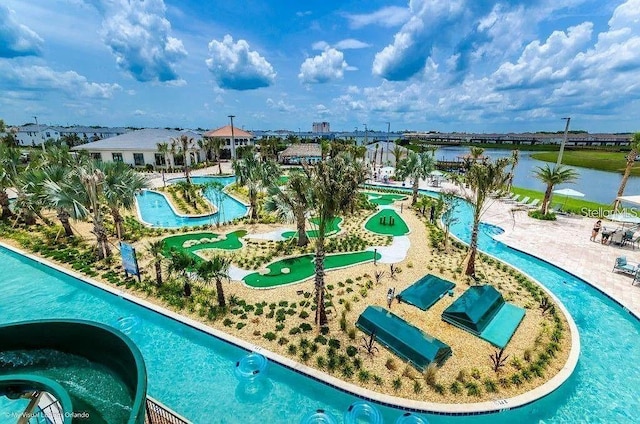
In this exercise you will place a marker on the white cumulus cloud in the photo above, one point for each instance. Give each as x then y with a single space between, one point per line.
280 105
327 66
137 33
234 66
386 17
42 78
17 39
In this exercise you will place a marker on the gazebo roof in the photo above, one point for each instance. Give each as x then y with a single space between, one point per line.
225 132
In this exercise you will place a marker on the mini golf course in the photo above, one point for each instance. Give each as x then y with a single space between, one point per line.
300 268
387 222
384 198
333 227
197 241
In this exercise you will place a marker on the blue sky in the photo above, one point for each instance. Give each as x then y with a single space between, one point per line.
445 65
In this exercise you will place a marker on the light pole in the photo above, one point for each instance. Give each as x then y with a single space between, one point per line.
564 141
38 129
233 139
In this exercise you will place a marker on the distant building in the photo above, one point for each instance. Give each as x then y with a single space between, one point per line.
580 139
240 137
140 148
321 127
35 135
299 153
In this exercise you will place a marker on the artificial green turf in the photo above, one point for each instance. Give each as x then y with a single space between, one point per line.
303 267
593 159
383 198
399 228
232 242
333 226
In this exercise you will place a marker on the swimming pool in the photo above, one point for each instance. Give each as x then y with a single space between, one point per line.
193 372
155 210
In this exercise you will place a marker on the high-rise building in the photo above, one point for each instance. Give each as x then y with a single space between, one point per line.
321 127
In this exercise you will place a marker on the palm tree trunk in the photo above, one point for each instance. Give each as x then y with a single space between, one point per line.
545 200
158 266
321 313
625 177
104 251
473 244
117 221
415 191
4 203
63 216
220 292
253 203
187 289
219 162
303 239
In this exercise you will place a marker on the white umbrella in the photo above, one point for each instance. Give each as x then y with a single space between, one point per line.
566 192
436 173
634 200
625 217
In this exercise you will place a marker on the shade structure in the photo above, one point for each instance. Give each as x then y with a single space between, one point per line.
568 192
405 340
426 291
436 173
634 200
482 311
625 217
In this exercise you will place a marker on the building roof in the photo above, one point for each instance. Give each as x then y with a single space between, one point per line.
146 139
302 150
225 132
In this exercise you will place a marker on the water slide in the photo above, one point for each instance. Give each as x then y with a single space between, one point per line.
71 371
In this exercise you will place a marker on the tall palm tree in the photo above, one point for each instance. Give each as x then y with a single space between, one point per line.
292 203
415 166
476 152
31 197
397 153
325 148
631 159
180 263
9 162
217 269
256 176
216 145
58 174
483 178
156 249
552 176
334 184
184 145
165 149
121 183
515 158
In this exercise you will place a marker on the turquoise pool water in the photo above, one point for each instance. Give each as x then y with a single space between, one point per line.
193 373
156 211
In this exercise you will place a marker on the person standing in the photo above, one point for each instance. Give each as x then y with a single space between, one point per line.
596 229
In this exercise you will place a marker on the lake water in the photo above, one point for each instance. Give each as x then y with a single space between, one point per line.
598 186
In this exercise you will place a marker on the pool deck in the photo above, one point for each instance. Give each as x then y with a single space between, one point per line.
564 243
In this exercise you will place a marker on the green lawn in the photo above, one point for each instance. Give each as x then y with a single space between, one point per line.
573 204
333 227
383 198
593 159
303 267
231 242
379 223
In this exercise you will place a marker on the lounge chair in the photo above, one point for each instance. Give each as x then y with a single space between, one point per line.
533 204
524 201
617 238
623 266
512 198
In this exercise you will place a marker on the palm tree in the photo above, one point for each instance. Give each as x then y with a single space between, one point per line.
483 178
31 197
156 249
164 149
515 158
334 184
9 161
415 166
325 148
120 186
256 176
375 155
631 159
476 152
216 268
216 145
552 176
180 263
58 174
184 145
292 203
397 153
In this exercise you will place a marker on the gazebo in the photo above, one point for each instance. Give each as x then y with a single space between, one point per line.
232 138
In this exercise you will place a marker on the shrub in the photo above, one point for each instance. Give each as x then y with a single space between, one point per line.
321 339
364 376
472 389
396 384
490 386
347 371
439 389
516 379
324 330
227 322
283 341
390 364
334 343
270 336
430 374
306 327
454 388
377 380
462 376
352 333
292 349
351 351
537 214
321 363
294 331
240 325
304 314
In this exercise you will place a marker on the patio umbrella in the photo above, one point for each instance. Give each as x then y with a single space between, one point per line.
625 217
566 192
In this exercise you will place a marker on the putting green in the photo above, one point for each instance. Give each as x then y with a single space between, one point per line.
380 223
333 227
230 242
301 268
384 198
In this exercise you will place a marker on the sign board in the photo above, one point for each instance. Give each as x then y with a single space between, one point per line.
129 260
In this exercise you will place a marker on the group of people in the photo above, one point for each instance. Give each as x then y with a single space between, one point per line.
597 227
